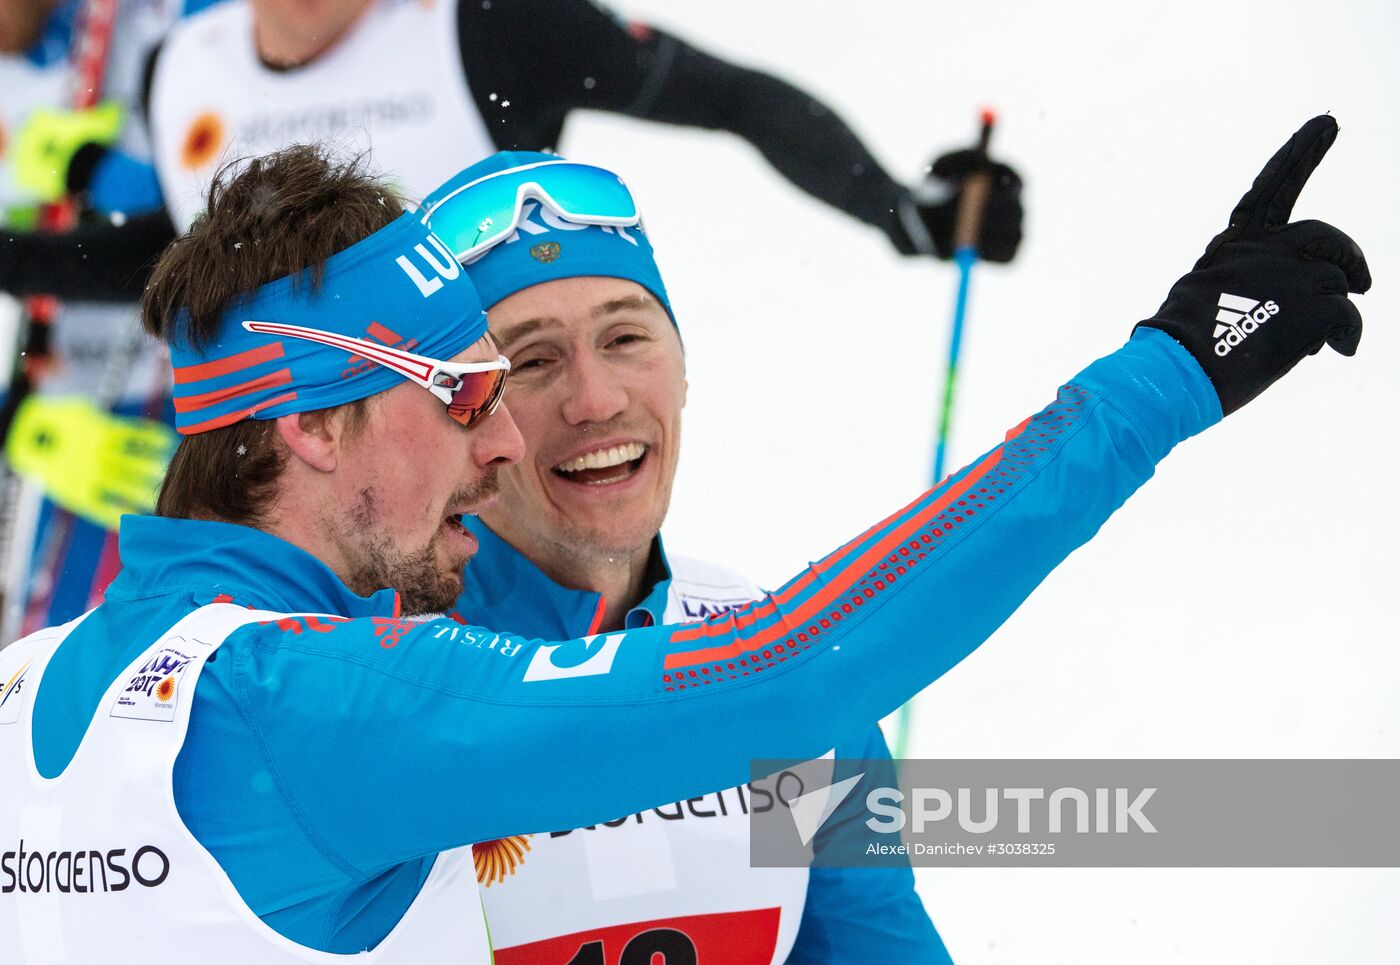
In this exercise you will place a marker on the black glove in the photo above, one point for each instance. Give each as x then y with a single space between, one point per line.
928 213
1267 292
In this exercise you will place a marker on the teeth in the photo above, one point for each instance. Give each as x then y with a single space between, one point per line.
604 458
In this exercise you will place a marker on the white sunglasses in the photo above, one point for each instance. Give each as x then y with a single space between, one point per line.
470 390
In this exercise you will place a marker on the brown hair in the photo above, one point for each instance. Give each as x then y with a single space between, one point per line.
266 218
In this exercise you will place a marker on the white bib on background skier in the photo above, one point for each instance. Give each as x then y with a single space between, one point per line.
213 100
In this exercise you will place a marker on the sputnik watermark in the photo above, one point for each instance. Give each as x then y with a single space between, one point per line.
1111 810
1155 813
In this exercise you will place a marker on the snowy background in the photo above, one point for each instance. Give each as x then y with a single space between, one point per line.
1244 603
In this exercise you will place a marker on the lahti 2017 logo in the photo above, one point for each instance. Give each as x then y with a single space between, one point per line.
151 692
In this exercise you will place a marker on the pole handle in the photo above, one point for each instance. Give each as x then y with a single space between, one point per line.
972 205
976 189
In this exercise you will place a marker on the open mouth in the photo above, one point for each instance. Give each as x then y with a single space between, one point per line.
604 466
456 522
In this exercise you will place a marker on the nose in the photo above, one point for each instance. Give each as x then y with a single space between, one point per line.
594 393
496 440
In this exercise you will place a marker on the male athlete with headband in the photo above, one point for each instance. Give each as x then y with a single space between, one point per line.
248 743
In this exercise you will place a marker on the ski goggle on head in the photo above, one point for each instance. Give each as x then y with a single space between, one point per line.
473 216
470 390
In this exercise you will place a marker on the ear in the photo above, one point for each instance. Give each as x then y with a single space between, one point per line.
312 437
685 367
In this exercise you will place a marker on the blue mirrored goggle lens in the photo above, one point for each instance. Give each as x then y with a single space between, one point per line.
471 217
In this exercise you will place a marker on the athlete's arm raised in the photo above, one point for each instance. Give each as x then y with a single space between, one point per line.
548 57
447 734
97 262
465 734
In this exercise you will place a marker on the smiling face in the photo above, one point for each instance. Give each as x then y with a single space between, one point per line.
597 386
403 482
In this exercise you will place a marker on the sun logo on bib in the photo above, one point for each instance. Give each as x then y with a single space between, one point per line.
165 690
203 141
497 860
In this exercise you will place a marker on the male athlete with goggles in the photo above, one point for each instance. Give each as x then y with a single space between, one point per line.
248 743
575 298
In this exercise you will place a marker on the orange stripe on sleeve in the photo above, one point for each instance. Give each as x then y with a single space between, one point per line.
1015 431
836 587
744 619
748 615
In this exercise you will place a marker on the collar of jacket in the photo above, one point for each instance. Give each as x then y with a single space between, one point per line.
225 562
506 591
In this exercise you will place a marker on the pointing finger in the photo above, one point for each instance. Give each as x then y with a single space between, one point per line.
1269 201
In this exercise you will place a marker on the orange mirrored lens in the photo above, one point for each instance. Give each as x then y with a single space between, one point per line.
476 396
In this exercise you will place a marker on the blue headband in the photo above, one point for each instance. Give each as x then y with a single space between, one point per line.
400 286
545 247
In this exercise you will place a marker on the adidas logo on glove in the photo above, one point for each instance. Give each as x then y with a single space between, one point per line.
1237 319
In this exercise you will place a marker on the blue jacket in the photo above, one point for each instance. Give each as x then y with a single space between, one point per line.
329 759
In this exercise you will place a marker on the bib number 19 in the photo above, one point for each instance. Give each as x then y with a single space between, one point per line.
674 947
745 937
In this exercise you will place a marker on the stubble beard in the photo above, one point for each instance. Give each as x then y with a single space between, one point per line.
599 545
424 585
574 551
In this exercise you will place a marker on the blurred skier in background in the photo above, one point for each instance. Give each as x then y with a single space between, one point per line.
427 88
86 390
